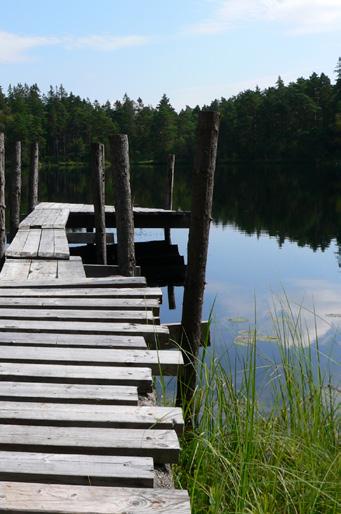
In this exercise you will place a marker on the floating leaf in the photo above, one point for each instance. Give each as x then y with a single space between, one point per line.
239 319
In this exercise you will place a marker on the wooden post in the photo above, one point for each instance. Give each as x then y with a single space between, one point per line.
98 181
16 190
202 196
2 197
171 297
168 204
34 177
123 205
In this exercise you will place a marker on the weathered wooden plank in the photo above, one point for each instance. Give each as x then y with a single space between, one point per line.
31 246
46 218
138 377
106 416
71 268
40 269
14 269
161 445
154 334
72 340
143 293
77 469
109 282
68 393
166 362
47 244
61 499
61 246
15 248
84 315
81 303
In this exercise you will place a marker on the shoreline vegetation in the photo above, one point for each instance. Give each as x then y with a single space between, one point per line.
299 120
242 457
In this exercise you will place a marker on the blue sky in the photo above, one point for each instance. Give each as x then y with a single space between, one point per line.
192 50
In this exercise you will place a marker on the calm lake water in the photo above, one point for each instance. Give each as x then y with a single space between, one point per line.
276 232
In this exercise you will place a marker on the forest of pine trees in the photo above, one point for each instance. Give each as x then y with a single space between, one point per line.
301 120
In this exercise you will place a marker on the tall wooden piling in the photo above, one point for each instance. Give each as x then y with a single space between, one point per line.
2 197
202 196
98 180
119 146
15 190
34 177
168 202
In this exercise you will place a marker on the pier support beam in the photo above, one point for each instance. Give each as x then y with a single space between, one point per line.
168 204
34 177
15 191
2 197
119 146
202 196
98 180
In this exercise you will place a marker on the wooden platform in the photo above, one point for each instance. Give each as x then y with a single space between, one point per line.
75 354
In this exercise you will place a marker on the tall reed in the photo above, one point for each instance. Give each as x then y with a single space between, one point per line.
239 457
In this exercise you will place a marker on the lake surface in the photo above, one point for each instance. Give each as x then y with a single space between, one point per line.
276 234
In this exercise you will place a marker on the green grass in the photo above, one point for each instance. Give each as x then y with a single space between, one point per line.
238 457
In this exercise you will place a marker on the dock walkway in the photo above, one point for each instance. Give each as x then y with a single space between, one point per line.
76 354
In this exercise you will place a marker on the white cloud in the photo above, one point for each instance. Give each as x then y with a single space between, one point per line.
15 48
299 16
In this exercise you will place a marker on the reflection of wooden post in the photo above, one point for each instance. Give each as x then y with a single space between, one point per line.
169 191
123 204
202 195
171 298
2 197
34 177
98 181
16 190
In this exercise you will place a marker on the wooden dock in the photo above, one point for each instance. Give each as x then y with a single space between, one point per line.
76 354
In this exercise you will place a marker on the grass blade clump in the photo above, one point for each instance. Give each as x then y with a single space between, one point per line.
239 457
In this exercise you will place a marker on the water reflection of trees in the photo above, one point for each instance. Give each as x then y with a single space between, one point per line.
299 203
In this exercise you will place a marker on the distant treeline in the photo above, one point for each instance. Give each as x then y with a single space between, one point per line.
296 121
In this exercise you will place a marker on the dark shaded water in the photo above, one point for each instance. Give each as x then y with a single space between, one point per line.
276 229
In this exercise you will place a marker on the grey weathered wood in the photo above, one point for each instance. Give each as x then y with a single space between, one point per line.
168 204
18 243
68 393
61 499
46 218
47 244
202 197
112 282
15 269
166 362
61 247
154 334
123 204
31 246
40 269
131 304
84 315
72 340
105 416
16 190
98 184
77 469
161 445
2 197
31 290
138 377
70 268
33 177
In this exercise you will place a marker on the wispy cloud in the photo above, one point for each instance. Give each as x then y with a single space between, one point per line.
16 48
298 16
